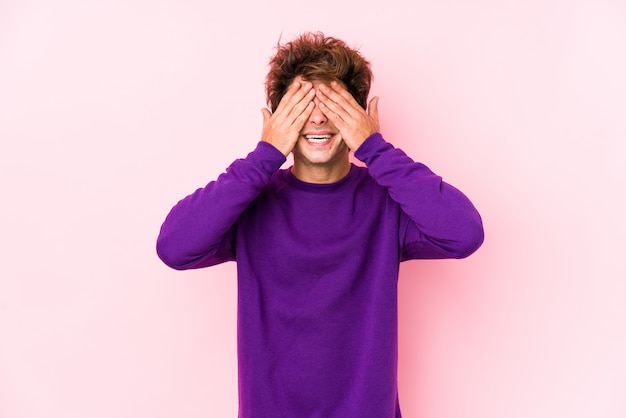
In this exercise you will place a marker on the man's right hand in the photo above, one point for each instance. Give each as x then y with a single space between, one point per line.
282 128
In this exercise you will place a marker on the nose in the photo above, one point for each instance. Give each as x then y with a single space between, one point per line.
317 117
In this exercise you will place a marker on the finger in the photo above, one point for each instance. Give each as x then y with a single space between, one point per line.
295 93
301 119
343 110
333 116
300 106
266 115
343 93
284 100
292 89
372 108
332 109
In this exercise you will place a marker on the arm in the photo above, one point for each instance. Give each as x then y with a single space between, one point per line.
440 221
198 232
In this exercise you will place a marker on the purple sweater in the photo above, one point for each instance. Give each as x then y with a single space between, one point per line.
318 271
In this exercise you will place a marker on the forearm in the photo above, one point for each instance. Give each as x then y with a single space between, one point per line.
446 219
194 231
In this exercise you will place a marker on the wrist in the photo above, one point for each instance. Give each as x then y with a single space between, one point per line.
372 145
282 148
355 145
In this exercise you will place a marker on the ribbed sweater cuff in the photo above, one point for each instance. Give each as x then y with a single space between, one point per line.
371 147
267 156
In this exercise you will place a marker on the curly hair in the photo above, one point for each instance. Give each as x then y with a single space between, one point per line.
314 56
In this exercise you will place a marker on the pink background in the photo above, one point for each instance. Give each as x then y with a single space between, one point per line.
111 111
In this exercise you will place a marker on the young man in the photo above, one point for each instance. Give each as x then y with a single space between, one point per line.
318 245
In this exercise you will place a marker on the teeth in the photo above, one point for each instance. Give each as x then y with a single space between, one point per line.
317 138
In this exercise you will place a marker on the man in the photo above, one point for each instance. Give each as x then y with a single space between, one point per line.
318 245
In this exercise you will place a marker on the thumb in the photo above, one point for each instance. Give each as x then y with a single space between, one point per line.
372 111
266 115
372 108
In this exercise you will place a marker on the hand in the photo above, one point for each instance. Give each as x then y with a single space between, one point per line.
282 128
354 124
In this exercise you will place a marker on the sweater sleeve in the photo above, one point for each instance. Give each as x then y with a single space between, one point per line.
437 220
199 230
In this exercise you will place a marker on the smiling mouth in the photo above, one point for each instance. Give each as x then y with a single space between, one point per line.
318 139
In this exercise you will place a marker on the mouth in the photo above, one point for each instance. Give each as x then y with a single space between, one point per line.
318 139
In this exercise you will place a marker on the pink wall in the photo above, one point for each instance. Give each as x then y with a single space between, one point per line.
111 111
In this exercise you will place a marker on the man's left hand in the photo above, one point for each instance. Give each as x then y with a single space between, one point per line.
353 122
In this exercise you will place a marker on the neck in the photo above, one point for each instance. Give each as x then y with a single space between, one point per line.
320 173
